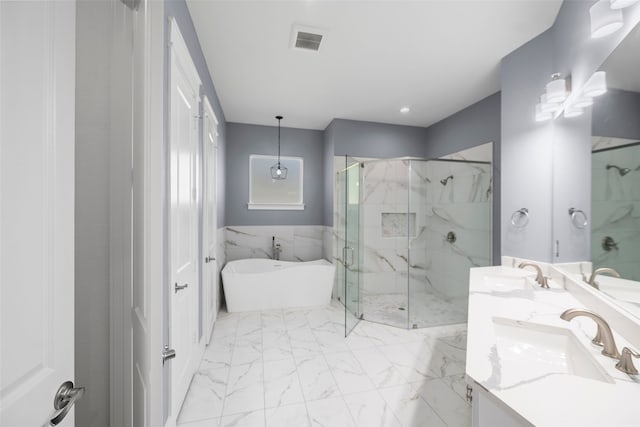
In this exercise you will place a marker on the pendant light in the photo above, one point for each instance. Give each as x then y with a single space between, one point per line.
604 19
278 171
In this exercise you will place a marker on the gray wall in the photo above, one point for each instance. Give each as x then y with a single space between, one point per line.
475 125
368 139
244 140
526 151
93 38
329 148
617 114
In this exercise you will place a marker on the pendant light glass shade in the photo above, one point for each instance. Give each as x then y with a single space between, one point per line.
278 171
596 85
542 116
556 90
621 4
604 19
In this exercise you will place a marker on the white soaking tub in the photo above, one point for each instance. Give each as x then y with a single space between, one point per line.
266 284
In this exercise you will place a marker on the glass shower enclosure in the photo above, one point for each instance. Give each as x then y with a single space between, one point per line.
409 230
349 239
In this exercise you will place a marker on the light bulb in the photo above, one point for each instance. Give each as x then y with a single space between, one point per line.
556 90
542 116
278 172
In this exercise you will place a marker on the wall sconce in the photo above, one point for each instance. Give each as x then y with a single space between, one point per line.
572 105
557 89
606 16
604 19
621 4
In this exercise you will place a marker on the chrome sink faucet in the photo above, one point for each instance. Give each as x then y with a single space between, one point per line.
275 249
602 270
542 281
604 331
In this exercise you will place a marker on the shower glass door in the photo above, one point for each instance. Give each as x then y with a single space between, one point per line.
452 203
352 241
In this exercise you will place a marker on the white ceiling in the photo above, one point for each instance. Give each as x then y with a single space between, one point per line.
436 56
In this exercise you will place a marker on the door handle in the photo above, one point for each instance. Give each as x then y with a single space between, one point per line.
180 287
209 259
168 354
64 400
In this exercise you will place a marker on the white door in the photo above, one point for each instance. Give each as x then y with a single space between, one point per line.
37 108
184 284
210 289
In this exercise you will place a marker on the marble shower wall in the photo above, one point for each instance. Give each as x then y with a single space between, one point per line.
461 208
615 208
298 243
402 227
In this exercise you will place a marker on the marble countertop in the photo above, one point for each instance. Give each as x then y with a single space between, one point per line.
536 392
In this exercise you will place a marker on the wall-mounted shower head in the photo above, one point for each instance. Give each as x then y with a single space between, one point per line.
621 171
444 181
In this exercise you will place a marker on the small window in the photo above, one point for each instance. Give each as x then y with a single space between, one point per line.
274 194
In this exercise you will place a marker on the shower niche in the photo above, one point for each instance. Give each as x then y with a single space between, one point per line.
406 233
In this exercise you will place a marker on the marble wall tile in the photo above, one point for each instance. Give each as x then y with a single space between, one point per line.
298 243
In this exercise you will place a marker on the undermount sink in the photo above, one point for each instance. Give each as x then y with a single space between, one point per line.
533 350
510 278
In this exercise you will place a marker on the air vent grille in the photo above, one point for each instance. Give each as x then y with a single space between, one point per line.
307 38
309 41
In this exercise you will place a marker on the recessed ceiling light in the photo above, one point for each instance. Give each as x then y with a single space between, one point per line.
405 110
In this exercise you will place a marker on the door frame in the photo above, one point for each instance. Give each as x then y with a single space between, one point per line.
134 358
210 121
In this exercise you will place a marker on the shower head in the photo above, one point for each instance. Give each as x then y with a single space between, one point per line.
444 181
621 171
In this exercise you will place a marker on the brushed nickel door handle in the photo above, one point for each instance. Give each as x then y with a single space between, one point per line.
180 287
64 400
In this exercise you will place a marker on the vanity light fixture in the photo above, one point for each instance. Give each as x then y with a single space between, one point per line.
405 110
596 85
278 171
542 116
604 19
557 89
621 4
548 107
582 102
572 111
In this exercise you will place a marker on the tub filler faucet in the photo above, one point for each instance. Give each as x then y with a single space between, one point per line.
275 249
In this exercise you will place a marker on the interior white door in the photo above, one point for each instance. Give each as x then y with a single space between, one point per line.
210 289
37 108
184 241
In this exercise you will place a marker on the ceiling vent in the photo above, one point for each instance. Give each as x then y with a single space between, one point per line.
306 38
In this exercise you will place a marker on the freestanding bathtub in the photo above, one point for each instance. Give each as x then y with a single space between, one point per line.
266 284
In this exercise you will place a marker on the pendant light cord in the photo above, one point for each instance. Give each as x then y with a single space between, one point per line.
279 118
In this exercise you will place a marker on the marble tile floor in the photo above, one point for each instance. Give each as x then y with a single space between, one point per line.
423 309
295 368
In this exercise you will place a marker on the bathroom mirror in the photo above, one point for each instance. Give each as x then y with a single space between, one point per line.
615 176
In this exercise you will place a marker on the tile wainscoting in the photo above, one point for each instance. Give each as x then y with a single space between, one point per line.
298 242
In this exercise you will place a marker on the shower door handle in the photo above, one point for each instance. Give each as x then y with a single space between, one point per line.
351 261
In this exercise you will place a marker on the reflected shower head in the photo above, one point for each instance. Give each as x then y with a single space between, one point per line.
621 171
444 181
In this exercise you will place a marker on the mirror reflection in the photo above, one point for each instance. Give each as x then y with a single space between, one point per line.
615 186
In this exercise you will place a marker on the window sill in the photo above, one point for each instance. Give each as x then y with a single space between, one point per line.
276 207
